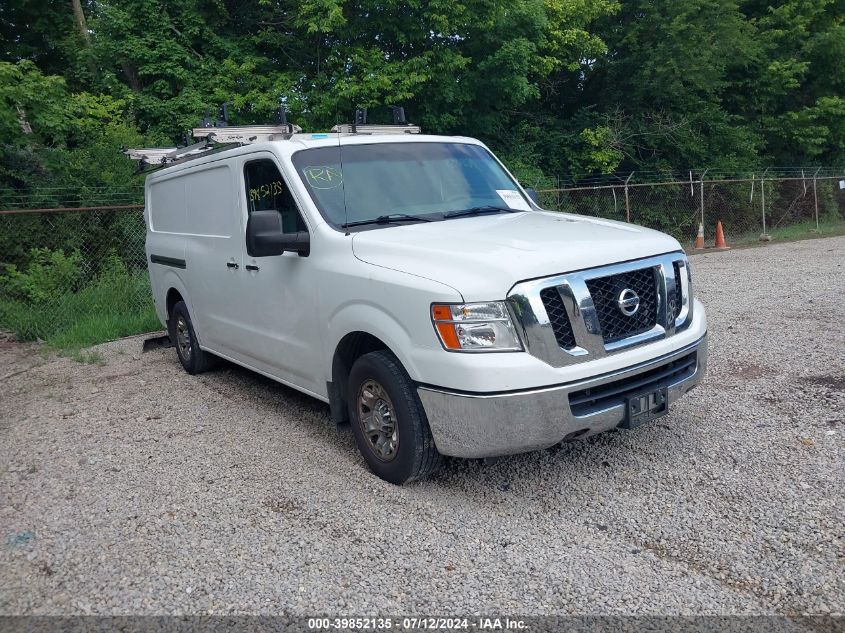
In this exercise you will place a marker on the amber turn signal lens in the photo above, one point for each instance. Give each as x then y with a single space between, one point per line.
441 315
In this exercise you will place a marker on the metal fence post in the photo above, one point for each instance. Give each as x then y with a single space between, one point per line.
702 194
627 202
816 197
763 198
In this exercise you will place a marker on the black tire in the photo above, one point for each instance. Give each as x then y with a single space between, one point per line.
193 359
415 455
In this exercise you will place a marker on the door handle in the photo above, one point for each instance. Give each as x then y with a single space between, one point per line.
251 267
233 265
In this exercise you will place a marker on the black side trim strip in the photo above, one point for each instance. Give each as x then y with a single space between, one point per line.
168 261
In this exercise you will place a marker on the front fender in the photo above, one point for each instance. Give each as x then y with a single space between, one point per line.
400 337
388 304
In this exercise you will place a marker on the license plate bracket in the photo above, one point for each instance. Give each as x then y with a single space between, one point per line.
645 406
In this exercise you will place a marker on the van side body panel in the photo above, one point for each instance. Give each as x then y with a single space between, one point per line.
212 250
163 198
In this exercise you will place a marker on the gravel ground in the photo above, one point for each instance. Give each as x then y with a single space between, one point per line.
129 487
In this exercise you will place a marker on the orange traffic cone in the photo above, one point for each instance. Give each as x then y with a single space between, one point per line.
699 240
720 236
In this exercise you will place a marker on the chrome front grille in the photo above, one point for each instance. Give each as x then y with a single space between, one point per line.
558 318
615 325
592 313
676 298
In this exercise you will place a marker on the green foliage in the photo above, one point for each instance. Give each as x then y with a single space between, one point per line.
317 16
31 106
795 78
51 137
48 301
815 128
563 86
600 154
48 274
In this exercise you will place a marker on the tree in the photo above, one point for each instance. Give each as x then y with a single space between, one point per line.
795 86
655 100
555 86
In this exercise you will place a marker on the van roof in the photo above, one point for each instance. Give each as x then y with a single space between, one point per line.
288 146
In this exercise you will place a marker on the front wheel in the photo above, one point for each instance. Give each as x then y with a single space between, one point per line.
388 420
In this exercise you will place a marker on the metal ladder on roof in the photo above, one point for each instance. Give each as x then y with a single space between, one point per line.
214 136
217 136
211 139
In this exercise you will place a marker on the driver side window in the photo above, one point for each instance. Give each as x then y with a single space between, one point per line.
266 191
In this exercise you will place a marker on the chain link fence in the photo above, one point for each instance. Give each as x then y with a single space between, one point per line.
74 275
73 269
750 209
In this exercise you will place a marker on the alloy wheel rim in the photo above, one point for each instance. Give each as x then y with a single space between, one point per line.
377 417
183 338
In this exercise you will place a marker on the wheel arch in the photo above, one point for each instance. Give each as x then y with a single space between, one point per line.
357 328
170 282
350 348
173 297
176 291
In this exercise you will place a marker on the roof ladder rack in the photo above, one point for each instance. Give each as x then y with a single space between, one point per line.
400 124
218 135
351 128
210 139
247 134
214 136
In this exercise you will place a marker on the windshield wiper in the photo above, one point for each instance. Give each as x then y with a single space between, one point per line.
388 219
489 208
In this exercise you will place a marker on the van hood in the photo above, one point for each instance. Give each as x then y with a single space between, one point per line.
482 257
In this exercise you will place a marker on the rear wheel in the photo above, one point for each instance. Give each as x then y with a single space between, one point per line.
388 420
184 338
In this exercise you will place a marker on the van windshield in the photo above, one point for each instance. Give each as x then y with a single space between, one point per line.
405 182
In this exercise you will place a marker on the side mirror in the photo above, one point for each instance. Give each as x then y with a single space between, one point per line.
532 193
265 237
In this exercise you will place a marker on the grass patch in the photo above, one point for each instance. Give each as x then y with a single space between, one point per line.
110 307
89 358
793 232
806 230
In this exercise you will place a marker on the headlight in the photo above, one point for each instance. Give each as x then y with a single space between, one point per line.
475 327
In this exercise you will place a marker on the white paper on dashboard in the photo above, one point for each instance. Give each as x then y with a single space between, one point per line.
513 199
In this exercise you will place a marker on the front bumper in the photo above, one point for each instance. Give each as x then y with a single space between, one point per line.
491 424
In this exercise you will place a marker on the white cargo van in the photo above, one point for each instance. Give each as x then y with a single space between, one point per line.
414 285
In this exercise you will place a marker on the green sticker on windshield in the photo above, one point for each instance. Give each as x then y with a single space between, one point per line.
323 177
